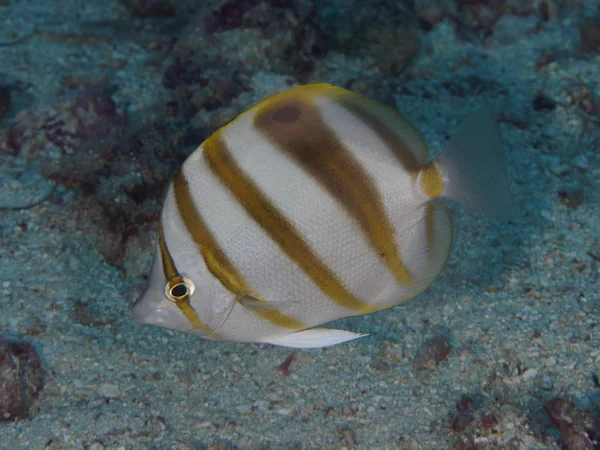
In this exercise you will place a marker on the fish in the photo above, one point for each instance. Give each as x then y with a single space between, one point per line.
317 203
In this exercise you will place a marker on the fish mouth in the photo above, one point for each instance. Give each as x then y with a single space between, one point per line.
163 316
144 314
148 310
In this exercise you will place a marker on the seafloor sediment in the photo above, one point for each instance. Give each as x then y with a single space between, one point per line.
100 102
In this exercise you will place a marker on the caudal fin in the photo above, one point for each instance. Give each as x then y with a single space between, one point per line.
473 168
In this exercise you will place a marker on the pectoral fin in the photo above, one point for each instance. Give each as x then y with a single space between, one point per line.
269 312
314 338
254 304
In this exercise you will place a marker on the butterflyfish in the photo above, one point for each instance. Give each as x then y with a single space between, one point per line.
317 203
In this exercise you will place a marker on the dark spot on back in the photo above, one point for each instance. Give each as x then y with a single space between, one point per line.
287 114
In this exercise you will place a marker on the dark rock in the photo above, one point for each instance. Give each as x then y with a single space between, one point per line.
477 19
576 427
461 421
89 314
21 379
232 14
64 126
511 27
584 97
435 350
471 85
5 101
589 31
541 102
430 354
489 420
431 12
465 404
122 181
371 32
572 197
150 8
221 50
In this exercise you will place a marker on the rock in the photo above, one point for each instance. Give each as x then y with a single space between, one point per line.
541 102
109 390
372 32
529 374
589 32
547 383
431 12
581 162
244 408
576 427
21 379
510 28
5 101
150 8
63 127
431 353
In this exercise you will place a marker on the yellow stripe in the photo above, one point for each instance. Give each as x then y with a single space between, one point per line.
270 313
431 181
188 310
276 317
170 272
216 260
292 123
438 236
283 233
168 265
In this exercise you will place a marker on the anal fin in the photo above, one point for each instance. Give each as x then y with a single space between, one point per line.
314 338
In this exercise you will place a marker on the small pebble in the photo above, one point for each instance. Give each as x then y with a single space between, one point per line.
547 383
109 390
529 374
431 353
243 409
581 162
74 263
350 409
558 169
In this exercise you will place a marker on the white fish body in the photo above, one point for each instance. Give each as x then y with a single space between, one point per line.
316 204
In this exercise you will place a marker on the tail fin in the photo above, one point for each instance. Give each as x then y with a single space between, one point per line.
472 165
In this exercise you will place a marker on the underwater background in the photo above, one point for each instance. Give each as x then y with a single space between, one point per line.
101 102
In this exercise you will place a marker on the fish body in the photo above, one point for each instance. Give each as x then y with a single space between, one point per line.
315 204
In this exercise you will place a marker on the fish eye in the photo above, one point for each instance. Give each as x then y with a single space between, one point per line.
179 289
